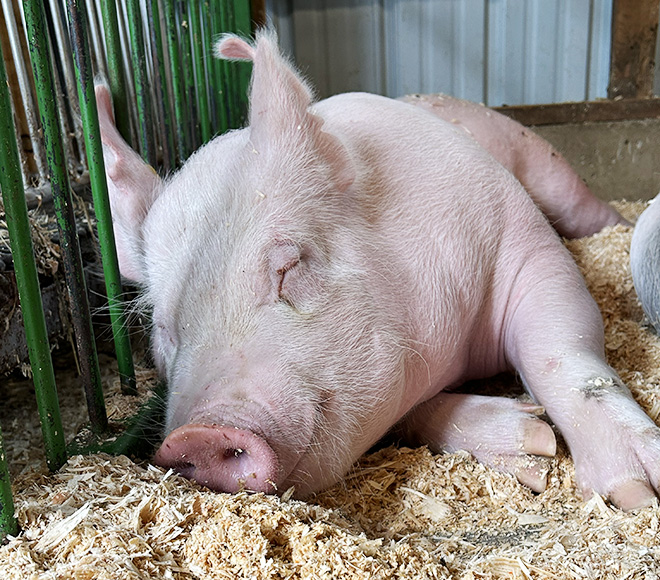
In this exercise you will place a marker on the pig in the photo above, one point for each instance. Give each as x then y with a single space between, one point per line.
644 261
333 270
550 181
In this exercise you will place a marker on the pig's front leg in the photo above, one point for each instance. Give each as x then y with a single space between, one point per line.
555 340
503 433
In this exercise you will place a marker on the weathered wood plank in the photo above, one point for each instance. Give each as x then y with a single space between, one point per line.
634 33
582 112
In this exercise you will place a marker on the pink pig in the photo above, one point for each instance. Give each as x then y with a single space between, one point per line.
332 270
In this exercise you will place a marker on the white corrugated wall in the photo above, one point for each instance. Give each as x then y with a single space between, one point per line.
492 51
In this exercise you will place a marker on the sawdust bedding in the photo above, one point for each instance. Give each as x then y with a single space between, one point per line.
400 513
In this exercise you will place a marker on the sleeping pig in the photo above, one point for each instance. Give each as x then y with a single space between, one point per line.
332 270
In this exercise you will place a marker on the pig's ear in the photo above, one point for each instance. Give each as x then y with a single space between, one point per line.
280 103
132 187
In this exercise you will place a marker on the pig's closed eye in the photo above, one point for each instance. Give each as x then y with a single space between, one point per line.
285 275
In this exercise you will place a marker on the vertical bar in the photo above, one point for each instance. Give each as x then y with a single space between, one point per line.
62 49
139 59
27 281
219 70
189 77
90 122
258 12
26 91
73 268
177 80
227 23
165 113
127 61
115 67
199 55
207 48
243 27
8 522
97 50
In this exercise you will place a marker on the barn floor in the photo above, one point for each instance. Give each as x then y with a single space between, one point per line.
400 513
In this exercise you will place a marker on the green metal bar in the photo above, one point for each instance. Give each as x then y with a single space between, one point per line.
27 280
115 67
90 121
200 72
59 179
219 71
139 60
231 80
168 127
8 521
243 27
189 79
177 80
207 48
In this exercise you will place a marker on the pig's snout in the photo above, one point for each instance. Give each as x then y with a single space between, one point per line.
221 458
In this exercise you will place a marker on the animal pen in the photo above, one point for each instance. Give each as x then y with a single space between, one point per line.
169 98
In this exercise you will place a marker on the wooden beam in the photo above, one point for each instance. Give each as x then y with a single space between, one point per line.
583 112
632 62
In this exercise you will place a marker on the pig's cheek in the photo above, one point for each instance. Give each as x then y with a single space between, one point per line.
163 347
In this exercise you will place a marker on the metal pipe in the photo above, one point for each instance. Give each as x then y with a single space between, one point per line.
227 23
163 113
73 268
63 50
8 521
199 69
220 74
128 68
177 81
185 40
26 91
115 67
27 281
97 48
90 121
139 59
243 27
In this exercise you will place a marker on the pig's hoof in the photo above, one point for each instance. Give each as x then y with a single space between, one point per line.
617 453
633 495
529 463
529 470
504 434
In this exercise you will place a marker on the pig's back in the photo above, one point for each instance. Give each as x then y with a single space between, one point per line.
412 165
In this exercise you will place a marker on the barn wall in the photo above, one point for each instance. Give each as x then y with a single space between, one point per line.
493 51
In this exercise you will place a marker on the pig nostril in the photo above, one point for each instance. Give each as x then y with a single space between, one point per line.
222 458
234 453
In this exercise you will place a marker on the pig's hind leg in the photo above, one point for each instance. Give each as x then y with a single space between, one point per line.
502 433
568 203
554 338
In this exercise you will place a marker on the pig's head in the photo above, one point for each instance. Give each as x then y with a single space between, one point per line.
273 323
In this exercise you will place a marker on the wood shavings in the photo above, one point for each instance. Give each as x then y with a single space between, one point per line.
399 513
